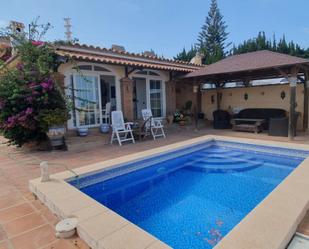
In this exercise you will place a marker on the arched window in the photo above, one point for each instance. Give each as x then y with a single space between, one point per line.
91 68
100 69
147 72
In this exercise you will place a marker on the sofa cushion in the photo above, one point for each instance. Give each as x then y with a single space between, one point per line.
262 113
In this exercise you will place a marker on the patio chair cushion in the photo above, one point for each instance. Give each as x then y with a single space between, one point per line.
221 119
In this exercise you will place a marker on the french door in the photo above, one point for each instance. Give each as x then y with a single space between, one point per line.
156 97
87 100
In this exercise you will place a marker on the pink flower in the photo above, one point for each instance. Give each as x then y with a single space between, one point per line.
20 66
2 103
35 93
29 99
47 85
37 43
29 111
32 85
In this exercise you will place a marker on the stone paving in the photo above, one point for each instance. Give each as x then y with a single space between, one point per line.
25 223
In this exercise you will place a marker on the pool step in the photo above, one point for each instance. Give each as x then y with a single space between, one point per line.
224 164
219 152
223 159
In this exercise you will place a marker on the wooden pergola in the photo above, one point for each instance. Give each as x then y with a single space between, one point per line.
258 65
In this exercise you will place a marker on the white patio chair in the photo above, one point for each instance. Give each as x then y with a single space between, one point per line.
155 126
121 131
106 113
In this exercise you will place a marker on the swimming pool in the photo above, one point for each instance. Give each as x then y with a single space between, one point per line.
192 197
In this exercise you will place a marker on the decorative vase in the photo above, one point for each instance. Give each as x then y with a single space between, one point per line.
82 132
104 128
169 119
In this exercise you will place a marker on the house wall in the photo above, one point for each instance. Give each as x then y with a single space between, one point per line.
184 93
122 101
258 97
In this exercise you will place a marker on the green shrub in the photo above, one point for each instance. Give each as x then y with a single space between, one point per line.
30 99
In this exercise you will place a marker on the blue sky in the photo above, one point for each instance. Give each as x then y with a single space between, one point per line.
163 25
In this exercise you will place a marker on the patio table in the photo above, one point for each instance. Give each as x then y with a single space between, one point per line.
139 128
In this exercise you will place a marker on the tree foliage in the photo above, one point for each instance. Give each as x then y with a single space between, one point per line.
28 90
261 42
185 55
211 40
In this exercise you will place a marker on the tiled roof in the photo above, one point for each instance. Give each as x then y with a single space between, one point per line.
112 56
253 61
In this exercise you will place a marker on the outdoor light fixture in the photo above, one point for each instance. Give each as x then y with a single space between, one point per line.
196 89
212 99
282 95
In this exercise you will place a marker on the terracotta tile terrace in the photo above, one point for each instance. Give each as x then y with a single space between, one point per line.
25 223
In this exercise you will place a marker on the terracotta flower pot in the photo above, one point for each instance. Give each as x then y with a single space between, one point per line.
182 122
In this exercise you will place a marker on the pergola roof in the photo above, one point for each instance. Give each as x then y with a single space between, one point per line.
254 65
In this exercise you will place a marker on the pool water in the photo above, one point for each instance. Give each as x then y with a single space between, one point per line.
194 200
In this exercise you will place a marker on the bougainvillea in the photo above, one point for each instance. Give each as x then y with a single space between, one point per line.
29 93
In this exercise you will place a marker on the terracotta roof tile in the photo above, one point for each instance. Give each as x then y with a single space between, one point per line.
258 60
112 56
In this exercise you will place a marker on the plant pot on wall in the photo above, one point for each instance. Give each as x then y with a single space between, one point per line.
82 132
56 136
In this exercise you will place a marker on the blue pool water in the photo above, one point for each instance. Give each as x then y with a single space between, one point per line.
193 200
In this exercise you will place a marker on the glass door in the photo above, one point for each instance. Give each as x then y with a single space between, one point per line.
155 92
87 100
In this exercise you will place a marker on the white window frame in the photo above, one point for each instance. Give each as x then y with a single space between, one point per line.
148 77
100 103
71 72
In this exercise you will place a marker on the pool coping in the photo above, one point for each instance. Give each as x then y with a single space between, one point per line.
280 212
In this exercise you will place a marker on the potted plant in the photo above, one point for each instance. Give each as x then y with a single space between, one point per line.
179 118
55 121
82 131
182 120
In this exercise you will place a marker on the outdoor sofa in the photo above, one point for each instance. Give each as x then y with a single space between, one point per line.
258 119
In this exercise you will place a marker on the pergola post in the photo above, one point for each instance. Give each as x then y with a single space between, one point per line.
306 101
218 87
292 125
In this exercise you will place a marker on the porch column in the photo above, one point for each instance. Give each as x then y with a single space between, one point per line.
126 86
170 93
306 102
59 80
292 125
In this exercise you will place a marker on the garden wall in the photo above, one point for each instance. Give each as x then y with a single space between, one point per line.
258 97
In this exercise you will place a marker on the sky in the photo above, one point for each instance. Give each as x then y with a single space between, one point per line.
166 26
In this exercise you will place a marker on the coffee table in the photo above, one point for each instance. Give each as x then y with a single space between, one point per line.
248 124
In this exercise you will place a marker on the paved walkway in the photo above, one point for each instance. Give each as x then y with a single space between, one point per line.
27 224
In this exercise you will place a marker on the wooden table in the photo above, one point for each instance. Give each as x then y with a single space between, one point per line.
139 129
248 124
